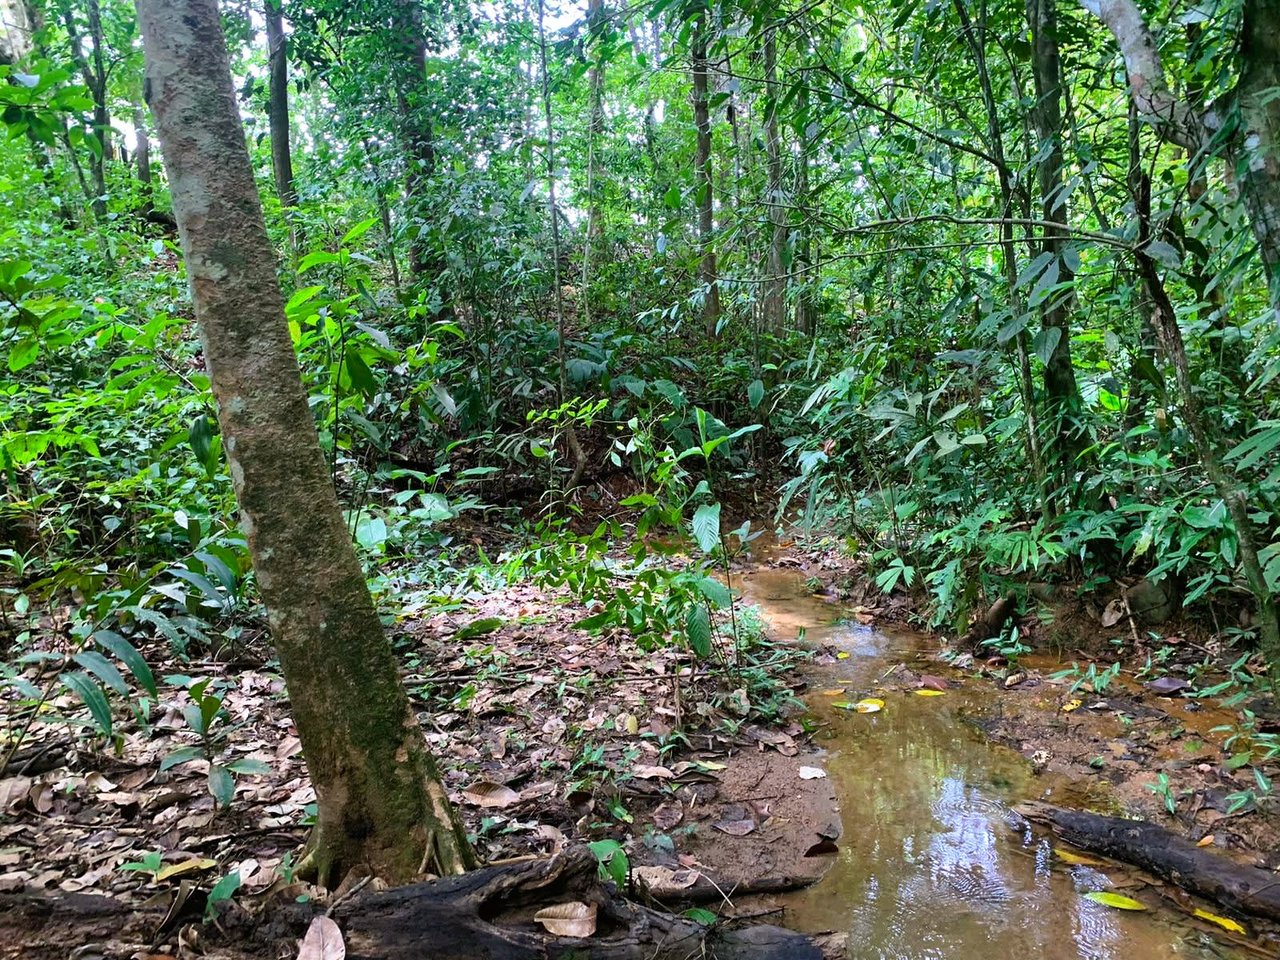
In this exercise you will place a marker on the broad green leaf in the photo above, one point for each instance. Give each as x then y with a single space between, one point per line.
706 527
479 628
755 393
222 786
698 629
103 669
93 697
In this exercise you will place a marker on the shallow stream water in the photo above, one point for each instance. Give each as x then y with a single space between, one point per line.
932 864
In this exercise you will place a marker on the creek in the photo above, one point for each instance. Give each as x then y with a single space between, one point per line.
932 861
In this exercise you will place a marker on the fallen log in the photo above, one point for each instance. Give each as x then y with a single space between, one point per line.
1166 855
488 915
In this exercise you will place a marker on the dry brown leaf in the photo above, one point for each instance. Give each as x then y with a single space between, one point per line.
572 919
643 771
13 791
822 848
484 793
928 682
663 881
322 942
735 828
668 815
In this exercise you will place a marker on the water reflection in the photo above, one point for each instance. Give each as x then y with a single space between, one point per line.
931 864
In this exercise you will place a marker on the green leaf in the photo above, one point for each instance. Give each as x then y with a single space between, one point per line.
1114 900
755 393
361 376
23 353
93 697
701 915
222 785
103 669
358 231
315 258
479 628
223 890
180 756
1046 342
706 527
715 591
698 629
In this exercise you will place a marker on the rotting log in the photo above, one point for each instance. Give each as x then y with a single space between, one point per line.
1166 855
488 915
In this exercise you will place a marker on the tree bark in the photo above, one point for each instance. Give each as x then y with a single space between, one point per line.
708 271
1253 148
1061 392
93 72
775 295
278 103
381 804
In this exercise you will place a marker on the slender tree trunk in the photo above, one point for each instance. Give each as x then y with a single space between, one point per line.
142 151
420 150
1234 495
976 40
708 271
1259 137
93 72
775 296
595 131
381 804
806 302
278 103
1062 395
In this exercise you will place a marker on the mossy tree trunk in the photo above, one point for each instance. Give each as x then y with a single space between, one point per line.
381 805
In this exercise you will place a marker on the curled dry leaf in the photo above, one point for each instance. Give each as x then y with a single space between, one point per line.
13 791
643 771
322 942
929 682
484 793
572 919
822 848
812 773
663 881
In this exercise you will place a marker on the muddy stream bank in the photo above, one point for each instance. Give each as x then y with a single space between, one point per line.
932 862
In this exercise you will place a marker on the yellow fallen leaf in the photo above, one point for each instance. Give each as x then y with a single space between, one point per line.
1066 856
1071 705
1223 922
869 705
929 693
835 692
842 655
1116 900
193 865
1205 841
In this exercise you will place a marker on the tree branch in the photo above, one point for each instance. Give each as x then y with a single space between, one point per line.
1154 101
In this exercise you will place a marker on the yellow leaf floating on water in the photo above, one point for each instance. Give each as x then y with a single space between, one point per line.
869 705
1116 900
1071 705
1223 922
833 693
1066 856
928 693
842 655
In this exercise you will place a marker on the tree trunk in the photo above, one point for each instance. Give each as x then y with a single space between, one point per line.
1061 392
93 72
702 160
775 296
1259 137
595 131
381 804
420 151
142 151
278 103
1254 148
1234 495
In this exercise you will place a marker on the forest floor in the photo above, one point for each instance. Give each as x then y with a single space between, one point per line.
550 735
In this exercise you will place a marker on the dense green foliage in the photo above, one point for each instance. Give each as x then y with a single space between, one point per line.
935 298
